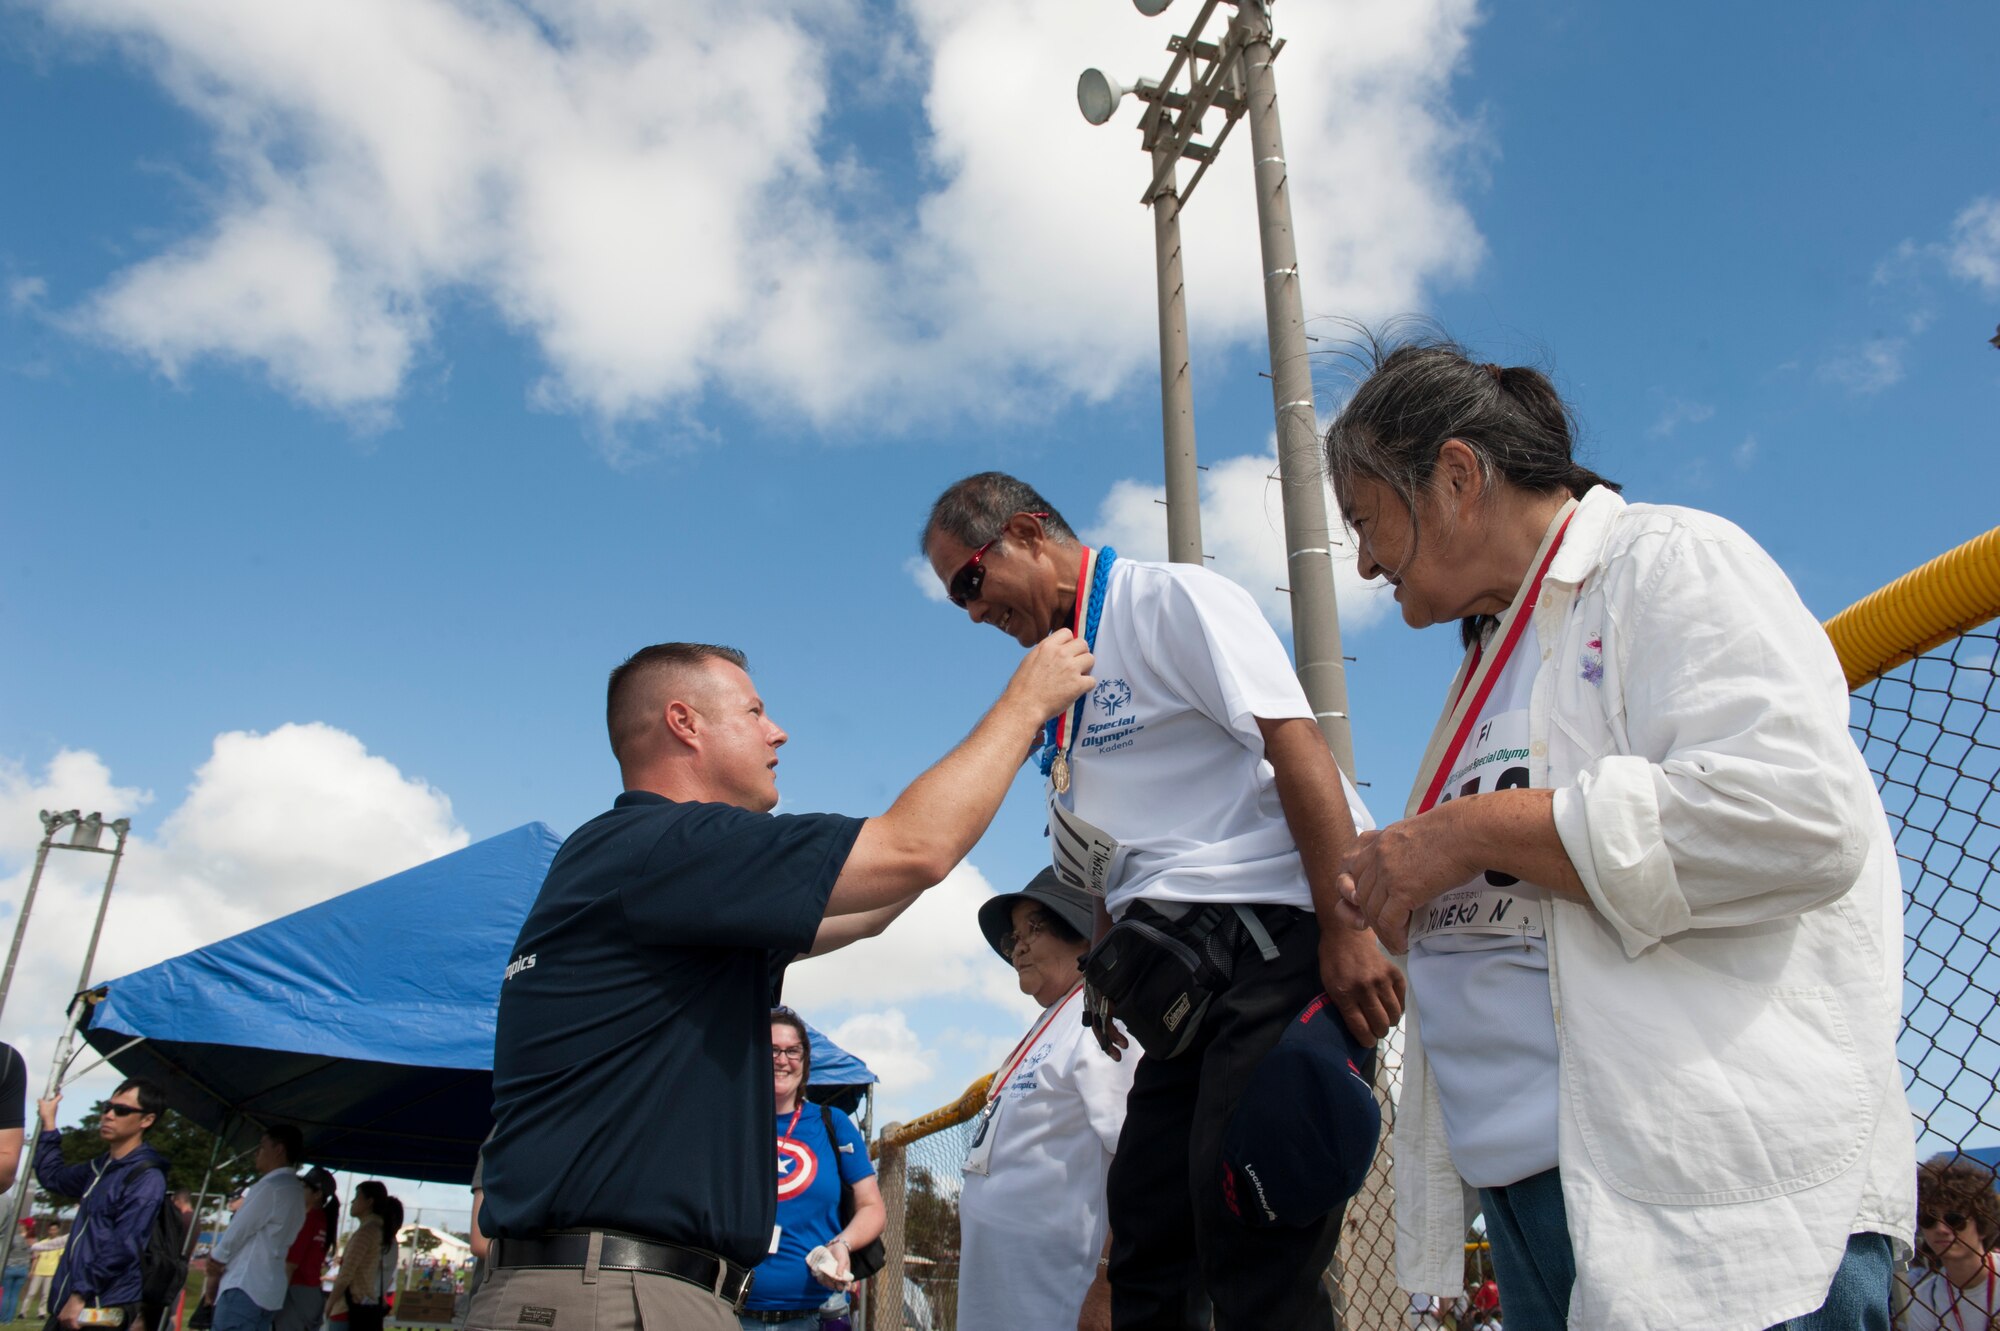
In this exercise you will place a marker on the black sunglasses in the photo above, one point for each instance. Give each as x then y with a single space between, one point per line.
116 1110
1952 1220
966 584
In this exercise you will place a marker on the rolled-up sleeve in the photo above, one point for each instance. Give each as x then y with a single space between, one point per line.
1741 797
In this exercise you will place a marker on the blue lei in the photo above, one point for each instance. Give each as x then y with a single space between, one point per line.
1093 611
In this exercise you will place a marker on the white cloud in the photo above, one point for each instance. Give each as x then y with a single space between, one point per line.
659 197
24 292
1679 412
1243 527
1873 366
933 950
271 823
892 1051
1973 253
1745 453
920 573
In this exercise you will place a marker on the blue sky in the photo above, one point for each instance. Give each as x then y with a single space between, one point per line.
376 375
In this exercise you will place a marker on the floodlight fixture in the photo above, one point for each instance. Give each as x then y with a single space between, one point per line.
1098 95
1151 8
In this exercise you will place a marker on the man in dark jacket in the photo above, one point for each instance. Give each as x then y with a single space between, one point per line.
121 1193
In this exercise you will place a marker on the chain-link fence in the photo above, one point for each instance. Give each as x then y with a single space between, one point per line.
1921 657
1931 734
918 1164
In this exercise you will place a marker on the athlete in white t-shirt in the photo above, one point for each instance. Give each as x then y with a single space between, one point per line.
1193 773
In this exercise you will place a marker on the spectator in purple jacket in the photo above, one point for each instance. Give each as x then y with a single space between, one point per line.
121 1191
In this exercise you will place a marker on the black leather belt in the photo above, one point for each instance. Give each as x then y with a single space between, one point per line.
621 1252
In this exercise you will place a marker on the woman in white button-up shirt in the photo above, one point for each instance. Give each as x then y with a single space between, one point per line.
1652 890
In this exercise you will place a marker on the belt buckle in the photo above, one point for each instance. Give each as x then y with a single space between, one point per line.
742 1290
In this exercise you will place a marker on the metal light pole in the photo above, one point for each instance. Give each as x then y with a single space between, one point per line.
1232 76
86 834
1176 379
1308 540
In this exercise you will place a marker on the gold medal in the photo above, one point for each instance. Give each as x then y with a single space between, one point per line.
1059 773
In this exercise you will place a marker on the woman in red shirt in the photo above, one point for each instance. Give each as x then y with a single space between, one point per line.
305 1263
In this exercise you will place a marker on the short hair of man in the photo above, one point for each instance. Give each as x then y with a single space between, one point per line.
626 713
973 511
290 1138
151 1095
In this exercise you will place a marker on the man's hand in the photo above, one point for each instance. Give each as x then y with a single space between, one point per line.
71 1310
1362 983
1097 1015
1387 875
47 1109
1054 674
1096 1314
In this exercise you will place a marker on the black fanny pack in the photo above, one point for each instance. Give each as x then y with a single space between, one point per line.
1160 969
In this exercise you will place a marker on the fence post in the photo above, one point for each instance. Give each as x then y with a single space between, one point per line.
885 1304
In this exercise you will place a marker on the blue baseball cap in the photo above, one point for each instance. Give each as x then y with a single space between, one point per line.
1302 1137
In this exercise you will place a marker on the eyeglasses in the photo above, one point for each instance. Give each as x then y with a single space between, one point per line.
970 580
1952 1220
788 1053
116 1110
1012 939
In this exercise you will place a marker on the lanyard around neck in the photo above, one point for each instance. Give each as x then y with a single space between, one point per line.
799 1108
1000 1080
1987 1302
1481 672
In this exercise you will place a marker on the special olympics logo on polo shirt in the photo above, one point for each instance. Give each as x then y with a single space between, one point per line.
797 1167
1111 695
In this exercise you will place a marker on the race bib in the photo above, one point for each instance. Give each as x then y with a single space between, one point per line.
1086 856
1493 904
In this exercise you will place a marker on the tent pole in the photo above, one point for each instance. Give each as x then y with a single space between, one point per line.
30 1141
91 1067
201 1198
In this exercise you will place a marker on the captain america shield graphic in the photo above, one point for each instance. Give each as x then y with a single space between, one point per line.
797 1166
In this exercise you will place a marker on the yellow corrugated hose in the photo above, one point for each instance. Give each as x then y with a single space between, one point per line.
1925 607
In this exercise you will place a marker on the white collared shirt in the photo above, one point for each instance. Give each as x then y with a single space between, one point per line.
1727 1004
254 1246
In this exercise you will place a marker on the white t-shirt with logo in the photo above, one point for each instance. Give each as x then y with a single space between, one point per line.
1169 760
1032 1227
1479 972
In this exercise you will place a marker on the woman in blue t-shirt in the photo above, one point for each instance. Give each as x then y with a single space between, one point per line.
813 1259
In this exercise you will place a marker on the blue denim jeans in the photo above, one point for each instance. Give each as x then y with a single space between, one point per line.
237 1311
1536 1266
12 1282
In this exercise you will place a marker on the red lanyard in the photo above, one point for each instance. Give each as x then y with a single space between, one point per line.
999 1083
1520 622
793 1126
1958 1316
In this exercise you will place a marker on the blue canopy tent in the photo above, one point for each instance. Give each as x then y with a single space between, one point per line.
366 1020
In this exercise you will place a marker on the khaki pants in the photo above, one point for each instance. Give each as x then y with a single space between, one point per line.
557 1299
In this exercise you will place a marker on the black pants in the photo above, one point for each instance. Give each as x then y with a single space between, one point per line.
1177 1255
365 1316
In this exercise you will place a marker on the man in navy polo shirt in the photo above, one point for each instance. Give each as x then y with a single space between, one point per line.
630 1179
